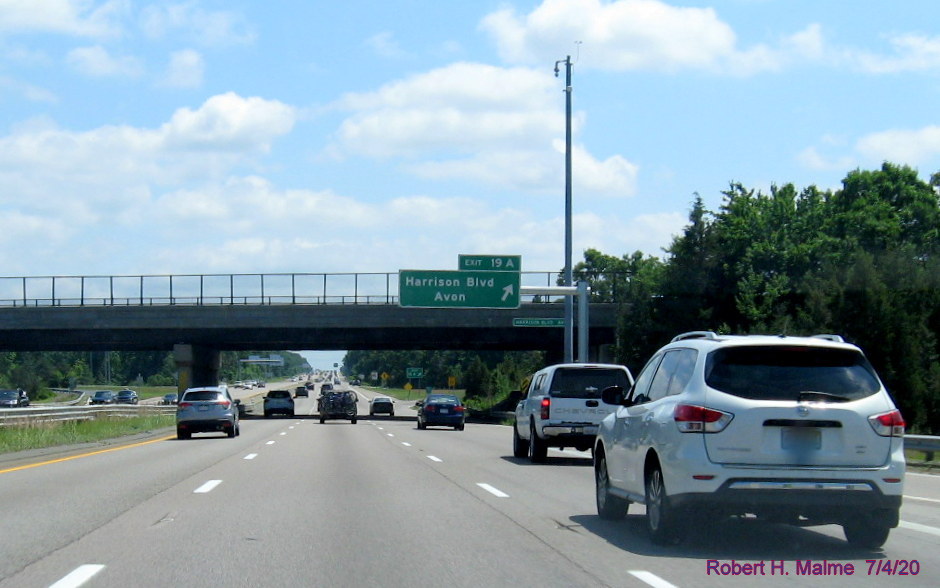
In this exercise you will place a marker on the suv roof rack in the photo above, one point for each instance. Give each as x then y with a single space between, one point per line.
835 338
695 335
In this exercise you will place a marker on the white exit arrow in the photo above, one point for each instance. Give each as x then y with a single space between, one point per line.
507 292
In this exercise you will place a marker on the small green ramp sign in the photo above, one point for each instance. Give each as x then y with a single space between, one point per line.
458 289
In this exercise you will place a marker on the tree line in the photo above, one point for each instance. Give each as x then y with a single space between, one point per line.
38 372
860 261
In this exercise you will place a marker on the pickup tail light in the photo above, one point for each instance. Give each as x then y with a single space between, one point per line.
888 424
700 419
546 408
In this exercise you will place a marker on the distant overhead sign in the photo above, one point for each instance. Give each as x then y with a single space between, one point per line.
458 289
538 322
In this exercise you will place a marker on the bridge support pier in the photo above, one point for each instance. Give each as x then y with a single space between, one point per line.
196 365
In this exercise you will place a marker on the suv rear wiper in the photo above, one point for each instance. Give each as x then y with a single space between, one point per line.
824 396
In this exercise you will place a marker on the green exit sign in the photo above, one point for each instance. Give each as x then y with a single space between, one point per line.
414 372
490 263
458 289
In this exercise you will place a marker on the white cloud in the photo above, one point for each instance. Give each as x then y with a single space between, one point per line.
904 146
209 28
107 170
185 70
498 126
97 62
28 91
912 52
72 17
621 35
385 45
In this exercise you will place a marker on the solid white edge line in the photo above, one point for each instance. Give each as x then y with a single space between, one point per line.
918 527
651 579
78 576
207 487
434 458
494 491
251 456
906 497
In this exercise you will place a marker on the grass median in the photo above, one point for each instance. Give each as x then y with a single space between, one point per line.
41 435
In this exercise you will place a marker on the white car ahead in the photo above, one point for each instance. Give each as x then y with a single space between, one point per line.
796 430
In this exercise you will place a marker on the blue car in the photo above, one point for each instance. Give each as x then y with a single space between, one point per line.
444 410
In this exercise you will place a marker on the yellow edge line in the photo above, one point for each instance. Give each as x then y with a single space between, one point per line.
61 459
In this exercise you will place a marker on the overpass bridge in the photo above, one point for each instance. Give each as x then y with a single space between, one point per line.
197 316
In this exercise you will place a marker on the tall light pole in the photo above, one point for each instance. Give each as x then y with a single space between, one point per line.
569 301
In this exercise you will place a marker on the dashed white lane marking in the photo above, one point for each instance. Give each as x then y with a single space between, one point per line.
251 456
207 487
406 444
283 433
494 491
920 498
270 443
918 527
78 576
433 458
390 434
651 579
291 427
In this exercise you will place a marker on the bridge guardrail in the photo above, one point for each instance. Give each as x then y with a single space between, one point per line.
233 289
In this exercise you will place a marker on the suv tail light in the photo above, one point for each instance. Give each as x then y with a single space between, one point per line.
546 408
184 405
888 424
224 403
699 419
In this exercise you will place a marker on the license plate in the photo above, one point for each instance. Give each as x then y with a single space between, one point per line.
800 439
445 410
577 430
203 408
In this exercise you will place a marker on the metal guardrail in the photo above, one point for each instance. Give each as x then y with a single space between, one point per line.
926 443
30 415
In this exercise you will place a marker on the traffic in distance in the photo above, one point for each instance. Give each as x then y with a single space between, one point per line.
714 448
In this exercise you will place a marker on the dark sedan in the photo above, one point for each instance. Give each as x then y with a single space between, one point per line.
13 399
126 397
103 397
445 410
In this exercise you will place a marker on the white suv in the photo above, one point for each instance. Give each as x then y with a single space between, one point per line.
563 407
795 430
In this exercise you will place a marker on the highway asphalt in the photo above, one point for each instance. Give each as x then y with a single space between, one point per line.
292 502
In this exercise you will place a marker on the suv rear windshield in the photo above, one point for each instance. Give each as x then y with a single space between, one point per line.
586 382
791 373
201 396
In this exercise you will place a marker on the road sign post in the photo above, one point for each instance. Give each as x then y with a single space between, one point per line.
458 289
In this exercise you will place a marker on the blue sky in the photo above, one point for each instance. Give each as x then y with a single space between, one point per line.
209 136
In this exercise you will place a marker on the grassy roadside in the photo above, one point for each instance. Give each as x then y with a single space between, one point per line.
39 436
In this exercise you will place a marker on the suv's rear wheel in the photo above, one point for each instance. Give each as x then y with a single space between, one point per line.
520 447
661 518
538 449
609 507
866 533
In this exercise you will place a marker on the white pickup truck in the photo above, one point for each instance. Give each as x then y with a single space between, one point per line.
562 407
